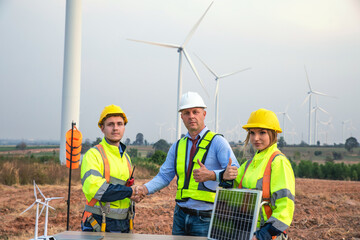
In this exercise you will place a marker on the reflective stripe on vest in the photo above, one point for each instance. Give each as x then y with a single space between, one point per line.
187 187
266 182
89 206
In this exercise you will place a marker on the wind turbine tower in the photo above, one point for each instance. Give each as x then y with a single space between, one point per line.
217 79
181 50
71 73
285 114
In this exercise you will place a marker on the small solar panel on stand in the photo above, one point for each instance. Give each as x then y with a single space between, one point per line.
235 214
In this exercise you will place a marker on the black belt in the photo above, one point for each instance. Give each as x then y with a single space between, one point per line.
194 212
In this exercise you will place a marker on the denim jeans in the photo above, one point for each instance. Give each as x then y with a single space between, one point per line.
185 224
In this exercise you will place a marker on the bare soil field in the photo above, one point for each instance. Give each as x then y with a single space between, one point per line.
324 210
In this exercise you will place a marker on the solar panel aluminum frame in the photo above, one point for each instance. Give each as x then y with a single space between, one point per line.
255 211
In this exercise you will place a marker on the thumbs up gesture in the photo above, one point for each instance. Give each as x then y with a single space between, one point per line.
203 174
231 172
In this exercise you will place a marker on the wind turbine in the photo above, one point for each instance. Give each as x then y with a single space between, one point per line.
292 133
308 98
181 50
47 200
160 128
217 79
172 130
315 109
329 125
351 127
37 202
285 115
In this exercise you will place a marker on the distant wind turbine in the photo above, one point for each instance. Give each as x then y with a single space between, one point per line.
308 98
351 127
181 50
292 133
329 125
285 114
316 109
217 79
160 128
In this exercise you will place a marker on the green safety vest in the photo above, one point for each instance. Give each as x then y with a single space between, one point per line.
187 187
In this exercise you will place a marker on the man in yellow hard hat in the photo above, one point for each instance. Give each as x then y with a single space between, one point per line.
106 172
196 160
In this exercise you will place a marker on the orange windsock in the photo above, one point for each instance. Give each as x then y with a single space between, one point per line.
75 154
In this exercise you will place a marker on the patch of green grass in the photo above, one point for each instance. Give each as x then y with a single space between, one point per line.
5 148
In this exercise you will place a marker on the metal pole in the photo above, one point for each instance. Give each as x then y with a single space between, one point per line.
71 153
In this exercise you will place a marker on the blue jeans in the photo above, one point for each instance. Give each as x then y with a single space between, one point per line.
185 224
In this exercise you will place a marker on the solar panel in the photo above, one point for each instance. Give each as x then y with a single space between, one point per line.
235 214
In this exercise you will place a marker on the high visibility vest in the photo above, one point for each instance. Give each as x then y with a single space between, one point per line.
187 187
276 179
120 211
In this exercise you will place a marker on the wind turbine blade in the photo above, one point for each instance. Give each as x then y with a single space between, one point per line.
307 78
187 39
322 94
229 74
323 123
40 191
195 71
323 110
306 99
213 73
156 43
54 198
28 207
287 115
42 209
45 204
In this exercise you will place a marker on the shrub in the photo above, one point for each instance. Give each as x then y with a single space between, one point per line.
133 152
317 153
158 157
297 155
337 155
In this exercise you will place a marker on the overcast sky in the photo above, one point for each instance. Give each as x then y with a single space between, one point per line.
275 38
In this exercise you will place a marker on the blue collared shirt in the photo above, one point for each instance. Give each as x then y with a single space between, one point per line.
216 160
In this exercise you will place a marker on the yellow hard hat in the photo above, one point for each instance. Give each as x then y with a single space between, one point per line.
263 118
111 109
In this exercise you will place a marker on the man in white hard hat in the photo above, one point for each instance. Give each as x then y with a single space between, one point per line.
196 160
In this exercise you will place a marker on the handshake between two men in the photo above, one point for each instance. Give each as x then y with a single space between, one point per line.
139 193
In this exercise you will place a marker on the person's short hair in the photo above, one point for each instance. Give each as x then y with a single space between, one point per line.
111 115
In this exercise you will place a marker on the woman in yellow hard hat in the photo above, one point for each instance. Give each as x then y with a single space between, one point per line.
267 164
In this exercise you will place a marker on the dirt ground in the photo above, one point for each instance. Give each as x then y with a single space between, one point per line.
324 210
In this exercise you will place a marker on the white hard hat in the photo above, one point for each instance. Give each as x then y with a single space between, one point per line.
191 100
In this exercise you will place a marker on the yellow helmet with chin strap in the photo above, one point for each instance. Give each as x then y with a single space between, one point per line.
263 118
111 110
